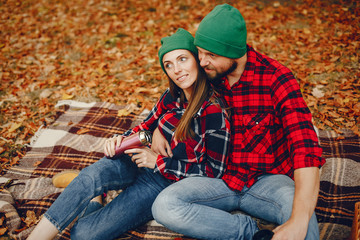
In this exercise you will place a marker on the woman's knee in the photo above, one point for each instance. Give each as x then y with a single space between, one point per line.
78 233
167 207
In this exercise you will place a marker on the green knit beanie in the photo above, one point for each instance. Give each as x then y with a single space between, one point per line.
223 32
182 39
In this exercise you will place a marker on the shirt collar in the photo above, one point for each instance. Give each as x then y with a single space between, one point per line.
249 72
201 109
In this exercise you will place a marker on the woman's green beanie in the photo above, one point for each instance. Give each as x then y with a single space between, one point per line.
223 32
182 39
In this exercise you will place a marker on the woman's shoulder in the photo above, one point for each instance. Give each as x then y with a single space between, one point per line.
168 100
215 103
214 108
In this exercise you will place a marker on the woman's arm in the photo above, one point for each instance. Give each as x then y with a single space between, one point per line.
150 123
204 155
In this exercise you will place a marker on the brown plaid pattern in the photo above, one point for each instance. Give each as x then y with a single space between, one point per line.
76 138
339 184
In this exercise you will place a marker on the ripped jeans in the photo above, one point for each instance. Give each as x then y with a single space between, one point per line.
130 209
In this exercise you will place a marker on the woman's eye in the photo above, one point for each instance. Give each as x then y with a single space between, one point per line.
183 59
168 65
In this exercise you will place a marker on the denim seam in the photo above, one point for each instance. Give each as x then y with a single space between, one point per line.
48 217
267 200
214 197
71 216
134 225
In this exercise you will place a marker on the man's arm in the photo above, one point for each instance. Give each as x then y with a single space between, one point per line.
307 184
159 144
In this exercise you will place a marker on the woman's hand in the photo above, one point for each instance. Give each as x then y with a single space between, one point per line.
144 157
160 145
110 144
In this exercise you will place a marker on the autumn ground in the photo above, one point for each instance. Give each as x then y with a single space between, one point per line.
107 51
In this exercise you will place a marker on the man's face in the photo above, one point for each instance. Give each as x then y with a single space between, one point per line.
216 66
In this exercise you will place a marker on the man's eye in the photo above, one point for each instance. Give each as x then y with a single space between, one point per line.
182 59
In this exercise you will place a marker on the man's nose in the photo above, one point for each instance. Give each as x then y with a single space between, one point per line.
203 61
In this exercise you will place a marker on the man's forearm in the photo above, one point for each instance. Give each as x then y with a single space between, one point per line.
307 182
305 198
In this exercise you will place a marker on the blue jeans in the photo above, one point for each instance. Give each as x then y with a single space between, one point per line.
130 209
200 207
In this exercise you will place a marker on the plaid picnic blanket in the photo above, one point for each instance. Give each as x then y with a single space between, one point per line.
339 183
76 138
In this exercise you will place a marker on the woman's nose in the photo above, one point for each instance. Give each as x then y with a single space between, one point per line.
177 68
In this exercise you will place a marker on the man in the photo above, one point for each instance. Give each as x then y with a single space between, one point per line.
273 171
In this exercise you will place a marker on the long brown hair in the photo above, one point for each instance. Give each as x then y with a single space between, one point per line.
201 92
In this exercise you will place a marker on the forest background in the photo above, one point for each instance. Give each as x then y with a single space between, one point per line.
88 50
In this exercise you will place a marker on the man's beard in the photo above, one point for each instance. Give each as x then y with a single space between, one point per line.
216 80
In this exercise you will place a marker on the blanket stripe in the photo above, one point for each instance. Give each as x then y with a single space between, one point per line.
339 183
76 138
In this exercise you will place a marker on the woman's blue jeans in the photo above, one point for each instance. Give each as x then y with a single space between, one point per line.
130 209
200 207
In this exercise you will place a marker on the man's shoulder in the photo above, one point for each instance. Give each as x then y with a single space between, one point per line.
263 61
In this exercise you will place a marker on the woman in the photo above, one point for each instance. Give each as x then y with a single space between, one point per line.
189 116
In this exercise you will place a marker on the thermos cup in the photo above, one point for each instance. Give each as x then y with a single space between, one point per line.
139 139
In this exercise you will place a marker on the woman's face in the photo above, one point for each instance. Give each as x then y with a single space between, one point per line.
182 68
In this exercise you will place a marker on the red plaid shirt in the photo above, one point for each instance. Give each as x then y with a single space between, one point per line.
271 129
204 155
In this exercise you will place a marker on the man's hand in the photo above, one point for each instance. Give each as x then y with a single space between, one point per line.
307 182
159 144
290 230
144 157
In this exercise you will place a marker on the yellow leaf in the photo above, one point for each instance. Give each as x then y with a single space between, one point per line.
82 131
3 231
307 31
66 96
31 218
123 112
101 72
45 39
273 38
14 126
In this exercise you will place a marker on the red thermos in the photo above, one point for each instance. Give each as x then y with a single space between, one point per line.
139 139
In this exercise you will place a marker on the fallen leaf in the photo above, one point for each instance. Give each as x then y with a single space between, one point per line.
14 126
317 92
3 231
123 112
91 84
82 131
31 218
37 163
66 96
